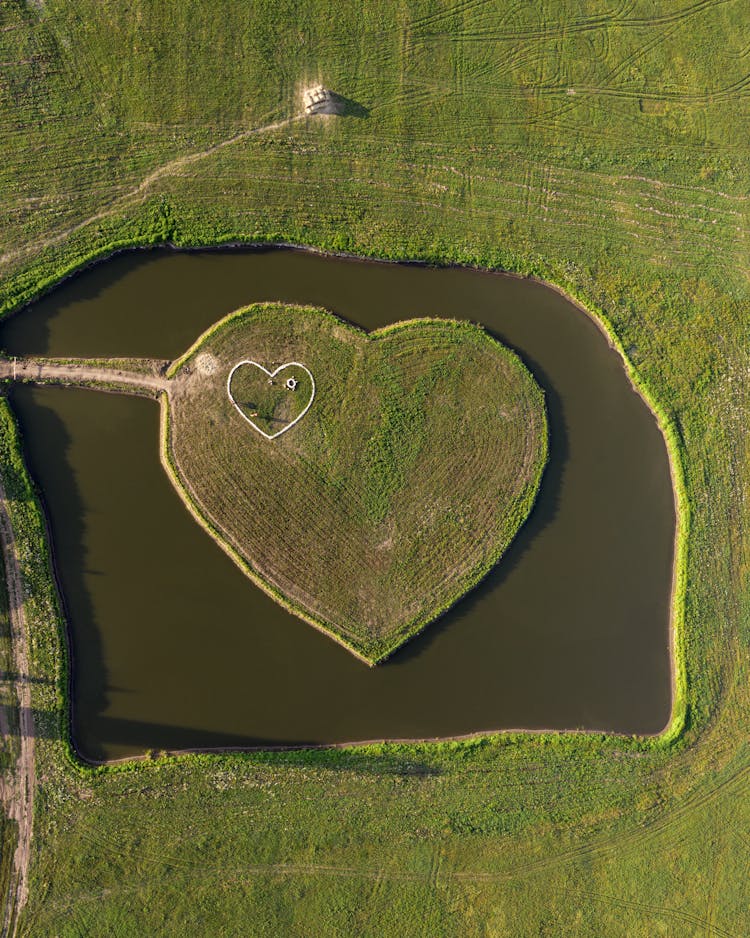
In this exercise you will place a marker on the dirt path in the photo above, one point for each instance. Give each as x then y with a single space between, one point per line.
140 191
19 792
149 380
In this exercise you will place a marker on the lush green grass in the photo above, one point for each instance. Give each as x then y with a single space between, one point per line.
403 484
601 145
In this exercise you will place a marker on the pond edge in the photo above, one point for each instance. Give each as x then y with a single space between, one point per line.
670 736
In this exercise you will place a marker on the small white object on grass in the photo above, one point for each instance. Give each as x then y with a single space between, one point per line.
319 100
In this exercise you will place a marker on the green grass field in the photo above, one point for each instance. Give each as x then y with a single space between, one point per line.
601 144
404 483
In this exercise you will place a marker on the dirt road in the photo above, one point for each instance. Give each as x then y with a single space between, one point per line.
147 379
19 791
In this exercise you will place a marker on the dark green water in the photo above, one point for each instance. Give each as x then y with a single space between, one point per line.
173 647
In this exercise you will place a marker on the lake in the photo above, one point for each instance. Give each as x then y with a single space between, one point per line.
172 647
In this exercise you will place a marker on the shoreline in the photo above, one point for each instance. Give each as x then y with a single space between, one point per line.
675 724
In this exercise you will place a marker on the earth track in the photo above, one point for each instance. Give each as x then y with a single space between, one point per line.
150 381
19 791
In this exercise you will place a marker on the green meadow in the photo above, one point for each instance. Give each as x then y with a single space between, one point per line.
601 146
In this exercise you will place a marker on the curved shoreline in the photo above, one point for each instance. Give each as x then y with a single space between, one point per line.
674 726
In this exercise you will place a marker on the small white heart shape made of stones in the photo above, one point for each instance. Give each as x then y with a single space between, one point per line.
271 375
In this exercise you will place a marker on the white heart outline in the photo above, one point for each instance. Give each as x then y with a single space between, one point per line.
271 374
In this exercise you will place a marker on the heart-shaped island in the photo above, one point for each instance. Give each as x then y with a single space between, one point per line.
366 481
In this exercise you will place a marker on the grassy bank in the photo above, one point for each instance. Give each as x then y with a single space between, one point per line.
601 147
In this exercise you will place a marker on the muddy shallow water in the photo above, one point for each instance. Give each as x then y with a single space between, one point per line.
174 647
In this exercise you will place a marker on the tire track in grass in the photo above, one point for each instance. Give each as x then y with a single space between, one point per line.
582 25
455 9
595 91
369 909
733 787
712 890
620 843
141 190
435 877
667 912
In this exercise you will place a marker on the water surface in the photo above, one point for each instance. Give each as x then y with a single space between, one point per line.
173 647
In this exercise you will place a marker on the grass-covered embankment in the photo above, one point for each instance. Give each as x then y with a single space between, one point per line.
602 147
